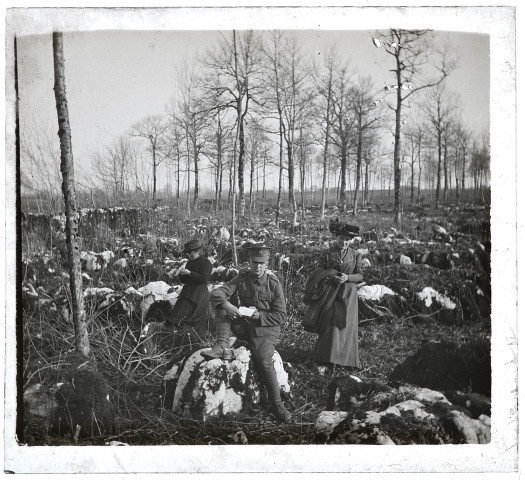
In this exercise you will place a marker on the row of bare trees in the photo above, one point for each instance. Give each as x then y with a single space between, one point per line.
255 107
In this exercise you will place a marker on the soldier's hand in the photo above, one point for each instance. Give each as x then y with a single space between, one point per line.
231 310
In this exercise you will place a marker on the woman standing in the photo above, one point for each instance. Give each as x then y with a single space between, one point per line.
331 296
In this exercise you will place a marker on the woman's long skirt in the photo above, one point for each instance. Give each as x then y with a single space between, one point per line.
339 346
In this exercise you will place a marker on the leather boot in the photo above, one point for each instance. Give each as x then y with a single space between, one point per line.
221 349
281 413
269 380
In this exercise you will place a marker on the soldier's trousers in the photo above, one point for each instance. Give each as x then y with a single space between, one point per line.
262 348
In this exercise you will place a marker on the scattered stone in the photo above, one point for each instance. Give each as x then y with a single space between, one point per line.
374 292
121 263
342 391
476 403
404 260
239 438
327 420
437 230
431 302
470 430
409 415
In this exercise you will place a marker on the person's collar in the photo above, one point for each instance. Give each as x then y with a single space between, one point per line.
259 280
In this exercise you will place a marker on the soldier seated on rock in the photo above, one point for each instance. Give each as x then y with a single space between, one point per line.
262 290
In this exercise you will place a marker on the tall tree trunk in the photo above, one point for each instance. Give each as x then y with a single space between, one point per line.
397 147
68 190
323 185
154 174
217 180
178 176
281 166
438 184
463 174
302 173
242 200
291 177
419 174
358 171
264 179
230 183
342 178
367 182
188 167
445 169
412 177
196 180
252 176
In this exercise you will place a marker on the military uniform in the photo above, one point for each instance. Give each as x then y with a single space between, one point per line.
266 295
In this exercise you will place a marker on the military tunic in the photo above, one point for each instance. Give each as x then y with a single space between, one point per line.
265 294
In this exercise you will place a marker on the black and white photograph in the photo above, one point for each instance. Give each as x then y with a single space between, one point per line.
265 239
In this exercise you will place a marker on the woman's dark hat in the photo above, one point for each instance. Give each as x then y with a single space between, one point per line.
340 228
192 245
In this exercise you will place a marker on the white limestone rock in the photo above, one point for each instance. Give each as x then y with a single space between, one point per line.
209 388
374 292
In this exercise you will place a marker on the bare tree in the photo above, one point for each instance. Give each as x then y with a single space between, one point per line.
236 62
440 107
40 169
411 51
173 144
193 117
480 161
366 117
112 168
217 149
274 55
325 85
296 98
152 128
343 126
414 137
68 190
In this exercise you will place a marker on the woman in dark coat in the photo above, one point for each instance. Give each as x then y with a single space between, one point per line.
191 307
331 296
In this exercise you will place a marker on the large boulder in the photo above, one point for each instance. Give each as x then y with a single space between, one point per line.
198 388
447 366
72 397
398 416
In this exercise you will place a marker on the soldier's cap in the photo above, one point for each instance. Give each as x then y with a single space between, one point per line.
259 253
192 245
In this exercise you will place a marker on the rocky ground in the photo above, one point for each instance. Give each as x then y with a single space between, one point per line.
424 336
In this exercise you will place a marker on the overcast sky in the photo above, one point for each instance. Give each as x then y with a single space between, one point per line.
115 78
